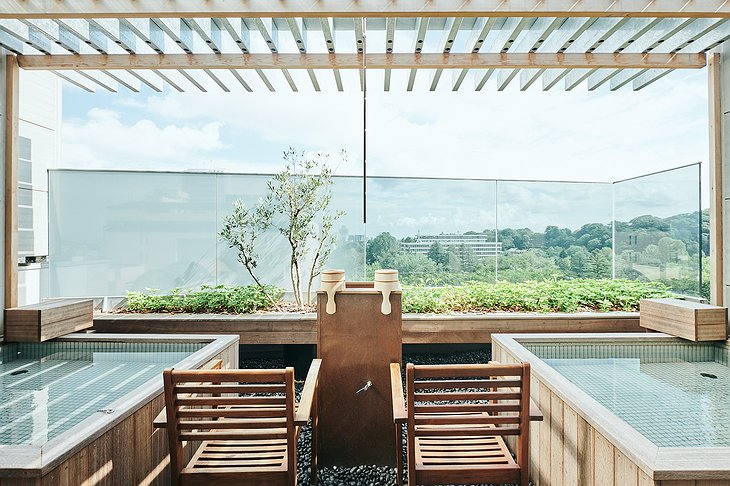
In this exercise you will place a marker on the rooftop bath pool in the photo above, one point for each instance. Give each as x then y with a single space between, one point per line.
647 407
81 394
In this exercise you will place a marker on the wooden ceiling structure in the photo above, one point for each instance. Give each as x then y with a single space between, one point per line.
193 45
244 44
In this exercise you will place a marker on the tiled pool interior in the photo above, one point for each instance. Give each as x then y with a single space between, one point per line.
47 388
676 395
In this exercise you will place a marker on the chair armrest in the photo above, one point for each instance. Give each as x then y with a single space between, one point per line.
160 422
304 409
396 390
535 413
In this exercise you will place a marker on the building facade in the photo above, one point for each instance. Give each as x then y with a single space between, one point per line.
482 245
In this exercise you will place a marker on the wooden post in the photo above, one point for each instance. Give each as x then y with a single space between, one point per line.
12 82
716 179
357 344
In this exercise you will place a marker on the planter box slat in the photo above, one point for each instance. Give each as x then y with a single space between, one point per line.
417 328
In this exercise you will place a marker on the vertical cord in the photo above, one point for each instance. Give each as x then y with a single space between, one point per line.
496 231
613 231
364 125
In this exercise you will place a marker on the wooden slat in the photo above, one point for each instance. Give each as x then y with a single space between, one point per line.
422 431
371 8
556 440
244 462
85 62
225 376
460 384
231 401
230 423
445 396
232 412
441 419
234 435
207 388
469 408
467 371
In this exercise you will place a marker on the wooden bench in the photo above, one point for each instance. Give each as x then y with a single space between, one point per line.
684 319
48 320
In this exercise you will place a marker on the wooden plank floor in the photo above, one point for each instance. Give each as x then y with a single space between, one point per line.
417 328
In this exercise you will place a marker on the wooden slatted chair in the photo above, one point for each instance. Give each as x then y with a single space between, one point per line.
457 417
246 421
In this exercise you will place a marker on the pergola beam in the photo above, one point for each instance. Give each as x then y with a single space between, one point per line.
356 61
11 124
370 8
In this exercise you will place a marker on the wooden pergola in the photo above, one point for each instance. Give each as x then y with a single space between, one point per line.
105 44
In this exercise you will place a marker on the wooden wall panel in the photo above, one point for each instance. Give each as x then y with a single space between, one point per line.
626 471
604 460
586 453
556 440
645 480
543 477
570 447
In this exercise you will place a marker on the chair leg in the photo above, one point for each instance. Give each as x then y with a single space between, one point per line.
411 465
525 476
315 428
398 455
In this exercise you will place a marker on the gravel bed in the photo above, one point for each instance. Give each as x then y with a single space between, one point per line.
366 475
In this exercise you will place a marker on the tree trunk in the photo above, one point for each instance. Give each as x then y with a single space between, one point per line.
263 289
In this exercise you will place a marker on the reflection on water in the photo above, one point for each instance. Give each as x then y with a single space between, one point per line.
672 404
46 390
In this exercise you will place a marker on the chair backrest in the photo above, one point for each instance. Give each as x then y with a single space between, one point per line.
470 400
228 405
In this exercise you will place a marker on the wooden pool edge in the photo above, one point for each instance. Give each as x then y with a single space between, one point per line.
417 328
580 442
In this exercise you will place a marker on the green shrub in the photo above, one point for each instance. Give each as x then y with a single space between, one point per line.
544 296
209 299
535 296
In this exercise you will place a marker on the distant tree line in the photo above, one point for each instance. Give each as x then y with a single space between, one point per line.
643 244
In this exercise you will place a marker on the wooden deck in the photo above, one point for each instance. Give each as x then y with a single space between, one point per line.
417 328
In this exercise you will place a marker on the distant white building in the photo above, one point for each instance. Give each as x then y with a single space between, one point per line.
482 245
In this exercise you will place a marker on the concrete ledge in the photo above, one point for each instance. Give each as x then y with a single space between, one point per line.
417 328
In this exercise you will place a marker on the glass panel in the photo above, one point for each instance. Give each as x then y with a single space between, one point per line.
111 232
554 230
658 228
433 231
160 230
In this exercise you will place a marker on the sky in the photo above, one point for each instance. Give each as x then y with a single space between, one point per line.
599 136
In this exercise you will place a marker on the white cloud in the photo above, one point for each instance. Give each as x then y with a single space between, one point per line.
555 135
102 140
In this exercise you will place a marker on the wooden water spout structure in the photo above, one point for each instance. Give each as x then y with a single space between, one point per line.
357 343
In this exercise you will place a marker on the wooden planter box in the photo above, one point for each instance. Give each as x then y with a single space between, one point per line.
417 328
684 319
48 320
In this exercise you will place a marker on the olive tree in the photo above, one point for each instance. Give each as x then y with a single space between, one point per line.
241 231
300 195
297 206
